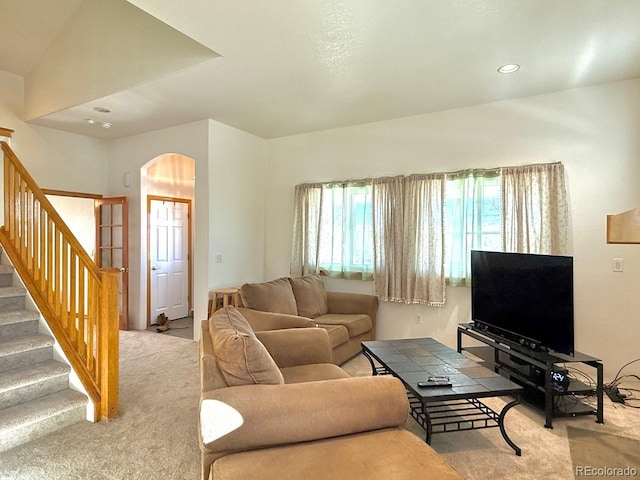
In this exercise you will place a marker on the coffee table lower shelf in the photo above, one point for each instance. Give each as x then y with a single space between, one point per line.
453 415
459 415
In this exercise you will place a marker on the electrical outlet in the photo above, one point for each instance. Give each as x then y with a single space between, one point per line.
618 265
419 319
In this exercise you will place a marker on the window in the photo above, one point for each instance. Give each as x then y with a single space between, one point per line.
473 220
412 232
332 230
346 236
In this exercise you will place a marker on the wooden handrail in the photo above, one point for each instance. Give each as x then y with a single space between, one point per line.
78 301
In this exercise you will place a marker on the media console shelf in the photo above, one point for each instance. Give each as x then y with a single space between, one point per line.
533 369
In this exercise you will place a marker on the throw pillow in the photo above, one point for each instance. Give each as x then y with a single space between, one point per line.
311 297
275 296
241 357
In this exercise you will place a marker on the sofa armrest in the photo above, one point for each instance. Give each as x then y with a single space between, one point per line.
339 302
261 321
297 346
284 414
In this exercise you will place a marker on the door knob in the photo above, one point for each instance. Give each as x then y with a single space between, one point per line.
124 269
155 268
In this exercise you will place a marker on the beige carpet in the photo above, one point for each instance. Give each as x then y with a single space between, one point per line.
608 454
484 455
156 433
154 437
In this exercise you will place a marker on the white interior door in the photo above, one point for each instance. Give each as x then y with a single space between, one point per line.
168 258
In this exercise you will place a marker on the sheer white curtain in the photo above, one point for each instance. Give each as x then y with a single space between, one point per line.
535 209
332 230
409 239
307 211
473 216
346 249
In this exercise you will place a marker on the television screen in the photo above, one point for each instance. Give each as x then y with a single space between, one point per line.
524 297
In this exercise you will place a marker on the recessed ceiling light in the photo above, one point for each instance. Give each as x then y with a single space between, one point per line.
102 110
89 120
509 68
105 124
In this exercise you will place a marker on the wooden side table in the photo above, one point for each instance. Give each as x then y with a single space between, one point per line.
229 296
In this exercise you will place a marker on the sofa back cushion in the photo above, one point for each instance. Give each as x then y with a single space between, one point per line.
241 357
310 295
275 296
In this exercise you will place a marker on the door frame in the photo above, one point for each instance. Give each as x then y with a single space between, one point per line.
161 198
124 269
97 199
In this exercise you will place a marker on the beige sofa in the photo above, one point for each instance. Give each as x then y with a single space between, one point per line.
273 406
348 318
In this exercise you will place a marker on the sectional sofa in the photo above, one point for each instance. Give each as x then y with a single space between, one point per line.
287 302
274 406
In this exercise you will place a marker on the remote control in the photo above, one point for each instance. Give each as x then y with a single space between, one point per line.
434 384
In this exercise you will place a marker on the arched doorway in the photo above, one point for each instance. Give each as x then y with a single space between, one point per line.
167 197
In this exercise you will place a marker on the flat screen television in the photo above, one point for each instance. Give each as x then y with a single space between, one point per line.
525 298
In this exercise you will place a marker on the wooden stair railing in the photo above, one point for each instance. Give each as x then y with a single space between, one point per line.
78 300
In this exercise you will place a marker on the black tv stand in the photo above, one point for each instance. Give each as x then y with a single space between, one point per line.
533 369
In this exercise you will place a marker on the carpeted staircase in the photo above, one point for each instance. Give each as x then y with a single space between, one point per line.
35 398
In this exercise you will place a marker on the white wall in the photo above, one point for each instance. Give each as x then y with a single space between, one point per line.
129 155
593 131
79 215
55 159
229 206
237 179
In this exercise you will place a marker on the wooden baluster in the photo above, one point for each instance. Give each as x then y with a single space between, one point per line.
82 346
64 307
91 318
50 242
72 299
78 301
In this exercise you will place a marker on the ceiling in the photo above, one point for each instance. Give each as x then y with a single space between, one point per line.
295 66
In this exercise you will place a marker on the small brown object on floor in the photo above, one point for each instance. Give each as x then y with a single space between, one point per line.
163 322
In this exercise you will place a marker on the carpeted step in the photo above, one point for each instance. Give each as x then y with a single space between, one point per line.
22 385
12 298
24 351
18 323
6 275
28 421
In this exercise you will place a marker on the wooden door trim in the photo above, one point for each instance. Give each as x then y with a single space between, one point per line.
124 201
161 198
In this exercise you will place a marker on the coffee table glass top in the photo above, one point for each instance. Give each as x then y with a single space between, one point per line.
414 360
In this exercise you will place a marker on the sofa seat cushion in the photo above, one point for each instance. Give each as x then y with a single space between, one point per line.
241 357
356 324
311 297
338 334
275 296
312 373
383 454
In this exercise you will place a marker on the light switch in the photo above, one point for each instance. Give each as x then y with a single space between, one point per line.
218 258
618 264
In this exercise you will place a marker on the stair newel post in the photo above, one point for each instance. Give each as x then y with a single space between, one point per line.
108 338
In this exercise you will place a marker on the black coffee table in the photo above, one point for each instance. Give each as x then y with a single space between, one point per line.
443 409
